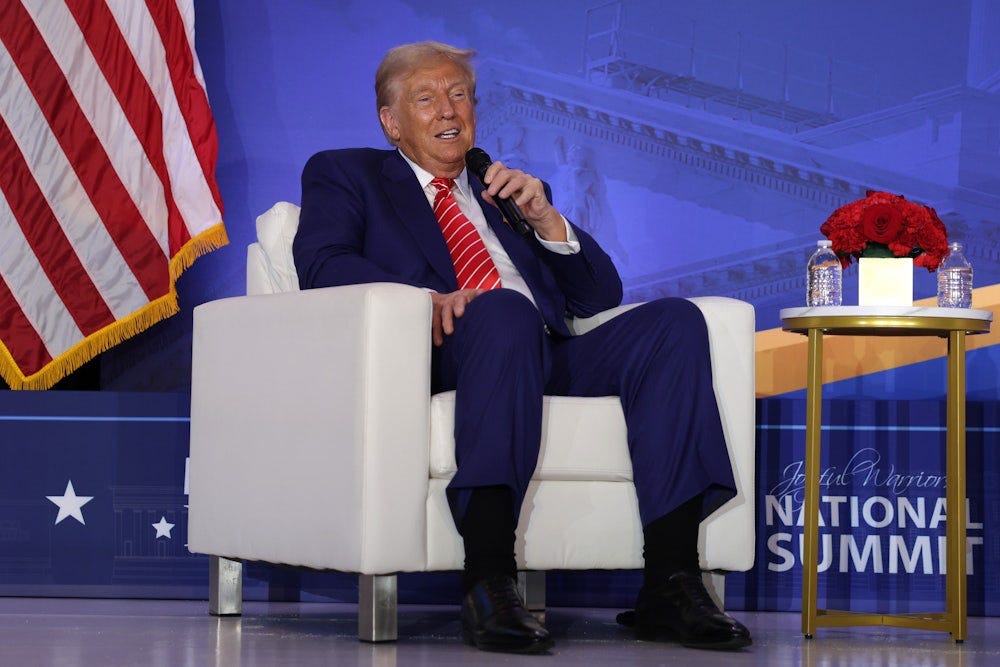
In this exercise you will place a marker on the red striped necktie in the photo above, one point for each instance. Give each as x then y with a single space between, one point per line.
474 267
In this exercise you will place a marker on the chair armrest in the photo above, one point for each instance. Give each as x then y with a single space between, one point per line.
309 428
727 540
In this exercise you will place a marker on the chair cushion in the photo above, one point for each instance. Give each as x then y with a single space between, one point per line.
582 439
276 229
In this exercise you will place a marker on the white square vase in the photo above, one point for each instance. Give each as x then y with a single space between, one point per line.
885 281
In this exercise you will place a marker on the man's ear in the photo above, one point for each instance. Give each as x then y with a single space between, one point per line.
388 120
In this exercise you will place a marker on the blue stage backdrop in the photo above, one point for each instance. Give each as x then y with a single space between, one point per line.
882 507
703 143
93 503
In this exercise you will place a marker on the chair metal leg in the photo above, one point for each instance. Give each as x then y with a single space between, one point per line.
377 607
225 586
531 586
715 583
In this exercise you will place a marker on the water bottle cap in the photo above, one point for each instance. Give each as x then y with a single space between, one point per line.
825 243
955 246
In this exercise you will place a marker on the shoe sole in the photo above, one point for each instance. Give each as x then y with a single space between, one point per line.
527 649
661 634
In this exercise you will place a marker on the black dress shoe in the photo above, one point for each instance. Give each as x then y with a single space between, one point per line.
494 619
679 608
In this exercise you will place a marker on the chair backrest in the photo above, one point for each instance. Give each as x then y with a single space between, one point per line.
270 267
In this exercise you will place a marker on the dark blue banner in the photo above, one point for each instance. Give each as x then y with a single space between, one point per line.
93 503
882 507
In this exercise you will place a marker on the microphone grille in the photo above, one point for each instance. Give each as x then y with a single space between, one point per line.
477 160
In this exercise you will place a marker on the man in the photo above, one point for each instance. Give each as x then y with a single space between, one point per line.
413 215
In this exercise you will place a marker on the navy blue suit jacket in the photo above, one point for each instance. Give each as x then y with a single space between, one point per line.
365 219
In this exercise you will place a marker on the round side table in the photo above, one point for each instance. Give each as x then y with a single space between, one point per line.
950 323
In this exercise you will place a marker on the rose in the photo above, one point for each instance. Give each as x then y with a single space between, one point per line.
885 224
882 223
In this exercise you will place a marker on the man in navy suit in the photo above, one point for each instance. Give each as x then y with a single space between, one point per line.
373 216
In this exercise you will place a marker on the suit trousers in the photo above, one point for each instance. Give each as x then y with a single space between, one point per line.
655 357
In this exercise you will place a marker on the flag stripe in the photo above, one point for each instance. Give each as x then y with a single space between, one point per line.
105 195
53 328
138 105
83 148
61 190
24 345
191 97
47 241
193 188
97 102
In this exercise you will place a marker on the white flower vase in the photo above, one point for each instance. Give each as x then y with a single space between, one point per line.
885 281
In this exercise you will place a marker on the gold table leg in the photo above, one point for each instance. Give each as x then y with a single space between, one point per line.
955 579
954 618
810 556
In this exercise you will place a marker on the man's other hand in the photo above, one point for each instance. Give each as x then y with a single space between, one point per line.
447 307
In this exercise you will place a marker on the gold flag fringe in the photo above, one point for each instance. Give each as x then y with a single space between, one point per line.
100 341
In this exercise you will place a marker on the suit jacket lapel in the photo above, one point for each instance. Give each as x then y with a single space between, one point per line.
416 216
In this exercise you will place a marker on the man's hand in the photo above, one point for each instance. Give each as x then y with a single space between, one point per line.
446 308
529 194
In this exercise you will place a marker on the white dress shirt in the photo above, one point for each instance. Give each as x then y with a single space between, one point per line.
510 277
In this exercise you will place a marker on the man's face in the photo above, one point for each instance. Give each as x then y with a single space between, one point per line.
433 118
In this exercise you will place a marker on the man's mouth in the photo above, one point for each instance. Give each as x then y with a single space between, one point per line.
448 134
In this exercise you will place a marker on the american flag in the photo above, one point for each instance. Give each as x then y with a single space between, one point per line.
107 176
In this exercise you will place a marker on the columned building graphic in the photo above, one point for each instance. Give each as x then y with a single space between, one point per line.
708 172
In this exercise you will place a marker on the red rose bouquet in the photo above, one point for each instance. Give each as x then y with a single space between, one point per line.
887 225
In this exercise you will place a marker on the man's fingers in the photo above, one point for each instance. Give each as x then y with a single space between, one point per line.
436 334
447 322
492 171
446 309
510 183
527 196
523 189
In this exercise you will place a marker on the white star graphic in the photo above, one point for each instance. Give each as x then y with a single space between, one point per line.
163 528
69 504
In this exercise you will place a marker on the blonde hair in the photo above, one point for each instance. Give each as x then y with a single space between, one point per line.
403 60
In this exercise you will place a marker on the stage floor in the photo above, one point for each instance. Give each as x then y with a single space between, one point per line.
108 633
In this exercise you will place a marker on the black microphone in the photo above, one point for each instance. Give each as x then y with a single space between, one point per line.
478 162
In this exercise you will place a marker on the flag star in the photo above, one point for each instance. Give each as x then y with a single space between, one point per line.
69 504
163 528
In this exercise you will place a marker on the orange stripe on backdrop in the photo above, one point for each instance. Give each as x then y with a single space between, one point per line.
781 355
84 150
132 91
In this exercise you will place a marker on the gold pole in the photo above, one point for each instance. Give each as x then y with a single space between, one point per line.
955 579
814 405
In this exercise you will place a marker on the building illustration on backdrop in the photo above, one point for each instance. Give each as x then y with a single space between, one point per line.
704 159
709 172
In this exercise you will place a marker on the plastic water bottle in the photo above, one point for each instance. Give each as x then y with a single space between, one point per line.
955 279
824 277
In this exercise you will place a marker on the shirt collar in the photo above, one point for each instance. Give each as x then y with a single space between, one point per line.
425 177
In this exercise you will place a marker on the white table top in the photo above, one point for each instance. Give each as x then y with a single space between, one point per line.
886 311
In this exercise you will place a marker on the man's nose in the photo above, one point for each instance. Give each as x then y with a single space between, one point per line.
446 107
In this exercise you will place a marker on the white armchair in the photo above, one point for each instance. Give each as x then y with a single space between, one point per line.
315 442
